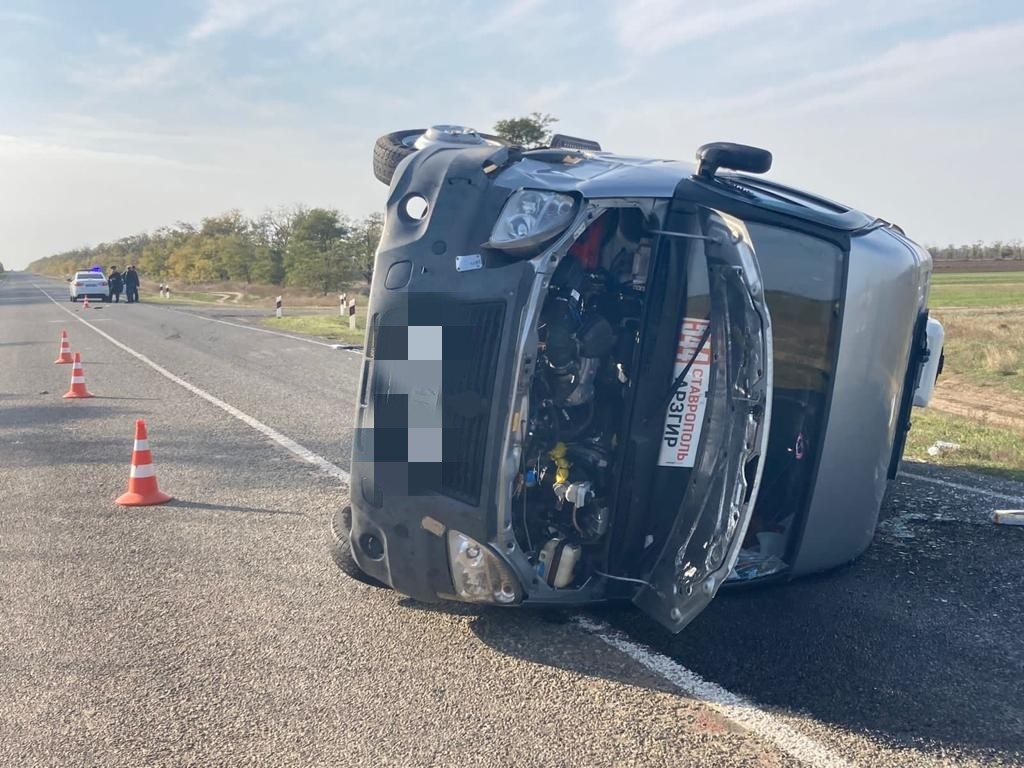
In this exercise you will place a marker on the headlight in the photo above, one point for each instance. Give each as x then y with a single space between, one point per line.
478 574
532 218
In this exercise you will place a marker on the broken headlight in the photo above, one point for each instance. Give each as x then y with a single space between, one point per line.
479 575
530 219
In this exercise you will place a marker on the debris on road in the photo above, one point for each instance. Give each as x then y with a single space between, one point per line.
941 446
1008 517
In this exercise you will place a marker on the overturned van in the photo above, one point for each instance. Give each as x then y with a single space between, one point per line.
590 377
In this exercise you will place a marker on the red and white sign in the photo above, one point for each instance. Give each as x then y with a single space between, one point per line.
685 416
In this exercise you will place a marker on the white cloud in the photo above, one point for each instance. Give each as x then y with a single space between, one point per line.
511 13
902 70
20 147
223 16
647 27
21 17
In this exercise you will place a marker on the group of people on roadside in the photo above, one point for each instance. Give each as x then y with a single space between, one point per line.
127 281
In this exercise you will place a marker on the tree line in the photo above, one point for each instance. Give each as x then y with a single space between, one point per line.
979 251
316 248
319 248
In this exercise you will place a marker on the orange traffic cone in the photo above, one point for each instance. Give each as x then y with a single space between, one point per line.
65 350
142 489
78 380
85 303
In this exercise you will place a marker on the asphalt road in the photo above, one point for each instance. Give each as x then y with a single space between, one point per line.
216 631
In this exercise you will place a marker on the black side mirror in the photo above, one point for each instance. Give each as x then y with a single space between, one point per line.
735 157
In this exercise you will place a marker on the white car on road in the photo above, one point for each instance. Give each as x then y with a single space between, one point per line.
91 284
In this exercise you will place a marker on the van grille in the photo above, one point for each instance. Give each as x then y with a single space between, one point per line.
470 361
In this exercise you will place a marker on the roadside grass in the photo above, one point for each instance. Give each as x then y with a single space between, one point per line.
232 294
983 316
985 350
983 448
332 327
191 297
977 289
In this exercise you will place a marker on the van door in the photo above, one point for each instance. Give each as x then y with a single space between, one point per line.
716 421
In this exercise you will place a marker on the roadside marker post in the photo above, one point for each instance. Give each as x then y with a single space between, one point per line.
352 314
343 304
279 312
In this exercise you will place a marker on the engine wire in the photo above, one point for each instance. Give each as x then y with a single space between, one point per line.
625 578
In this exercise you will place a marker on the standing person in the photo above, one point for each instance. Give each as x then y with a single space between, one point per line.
116 281
131 284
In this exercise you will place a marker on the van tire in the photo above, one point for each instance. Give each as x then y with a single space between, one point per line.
341 549
389 151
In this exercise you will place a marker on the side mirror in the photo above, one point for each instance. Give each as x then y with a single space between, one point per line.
735 157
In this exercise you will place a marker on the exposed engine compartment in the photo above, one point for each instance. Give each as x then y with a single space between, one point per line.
588 333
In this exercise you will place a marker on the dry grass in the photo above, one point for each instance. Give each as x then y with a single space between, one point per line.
985 349
259 295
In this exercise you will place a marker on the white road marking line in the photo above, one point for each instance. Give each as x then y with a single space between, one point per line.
962 487
285 442
728 704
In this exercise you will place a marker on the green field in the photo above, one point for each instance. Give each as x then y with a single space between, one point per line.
978 289
983 315
983 447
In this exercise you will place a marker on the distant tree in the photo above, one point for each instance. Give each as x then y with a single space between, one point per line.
362 244
237 255
530 131
316 253
270 233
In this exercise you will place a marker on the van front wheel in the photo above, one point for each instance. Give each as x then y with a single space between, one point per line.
341 549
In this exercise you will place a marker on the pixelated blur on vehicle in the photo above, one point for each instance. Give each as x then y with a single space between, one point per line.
590 377
90 283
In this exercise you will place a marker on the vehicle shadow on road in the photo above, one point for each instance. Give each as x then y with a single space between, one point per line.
547 637
818 648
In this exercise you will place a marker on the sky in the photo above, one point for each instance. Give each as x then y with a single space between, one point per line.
120 117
